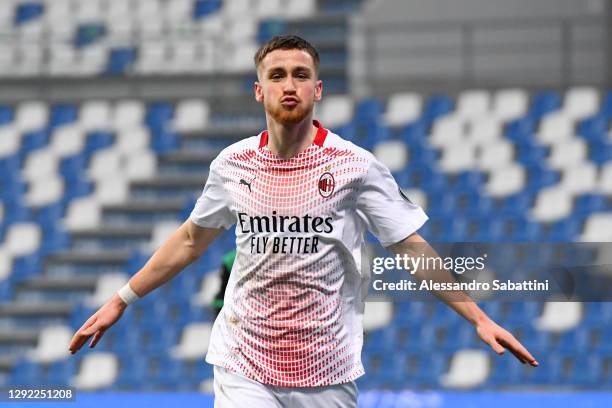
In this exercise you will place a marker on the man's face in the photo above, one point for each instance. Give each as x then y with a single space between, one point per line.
288 85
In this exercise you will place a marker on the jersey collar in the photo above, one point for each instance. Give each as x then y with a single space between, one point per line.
318 140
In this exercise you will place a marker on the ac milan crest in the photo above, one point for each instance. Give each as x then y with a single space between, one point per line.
327 184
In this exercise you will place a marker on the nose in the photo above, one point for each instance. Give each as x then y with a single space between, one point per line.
289 85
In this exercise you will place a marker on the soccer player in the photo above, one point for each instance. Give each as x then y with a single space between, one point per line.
290 332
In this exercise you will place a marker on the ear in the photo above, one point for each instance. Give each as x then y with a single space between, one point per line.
258 92
318 90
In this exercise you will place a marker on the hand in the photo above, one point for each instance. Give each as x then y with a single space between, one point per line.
97 324
500 339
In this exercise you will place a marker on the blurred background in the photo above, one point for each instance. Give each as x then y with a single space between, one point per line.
494 115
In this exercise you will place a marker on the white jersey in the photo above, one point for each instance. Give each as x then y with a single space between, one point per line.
293 308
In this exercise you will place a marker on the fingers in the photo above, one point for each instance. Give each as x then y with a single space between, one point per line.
88 329
519 351
498 348
96 338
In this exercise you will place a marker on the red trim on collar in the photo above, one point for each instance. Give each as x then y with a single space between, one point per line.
321 134
318 140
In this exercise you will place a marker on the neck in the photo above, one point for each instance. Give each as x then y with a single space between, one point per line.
286 141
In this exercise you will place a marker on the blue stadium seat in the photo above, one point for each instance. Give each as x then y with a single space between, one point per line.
543 103
88 33
120 60
33 140
6 114
62 114
600 152
521 130
28 11
203 8
594 128
98 140
436 107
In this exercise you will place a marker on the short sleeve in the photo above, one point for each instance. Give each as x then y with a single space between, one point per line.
212 210
389 214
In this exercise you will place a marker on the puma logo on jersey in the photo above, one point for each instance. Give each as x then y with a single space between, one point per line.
246 183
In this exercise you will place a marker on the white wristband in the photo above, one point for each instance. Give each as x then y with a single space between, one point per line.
127 294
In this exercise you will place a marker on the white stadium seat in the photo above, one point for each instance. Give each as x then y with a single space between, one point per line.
51 346
559 316
140 165
107 285
555 128
507 180
22 239
208 289
510 104
473 104
552 204
598 228
67 141
403 108
98 370
392 154
377 314
45 190
95 115
10 140
336 110
468 369
581 102
580 179
496 155
484 131
128 114
295 9
458 158
268 8
133 139
448 131
82 214
191 115
104 164
39 163
31 116
111 190
568 154
194 342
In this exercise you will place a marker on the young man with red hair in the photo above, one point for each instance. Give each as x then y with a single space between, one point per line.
290 332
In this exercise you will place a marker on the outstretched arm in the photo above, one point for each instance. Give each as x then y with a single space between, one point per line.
183 247
490 332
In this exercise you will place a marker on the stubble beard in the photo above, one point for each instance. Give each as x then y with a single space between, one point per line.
289 117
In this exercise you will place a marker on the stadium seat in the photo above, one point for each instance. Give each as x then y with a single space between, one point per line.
98 370
510 104
194 342
505 181
552 204
559 316
568 154
377 314
581 102
52 345
392 154
473 104
555 128
106 287
468 369
598 228
403 108
191 115
335 111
